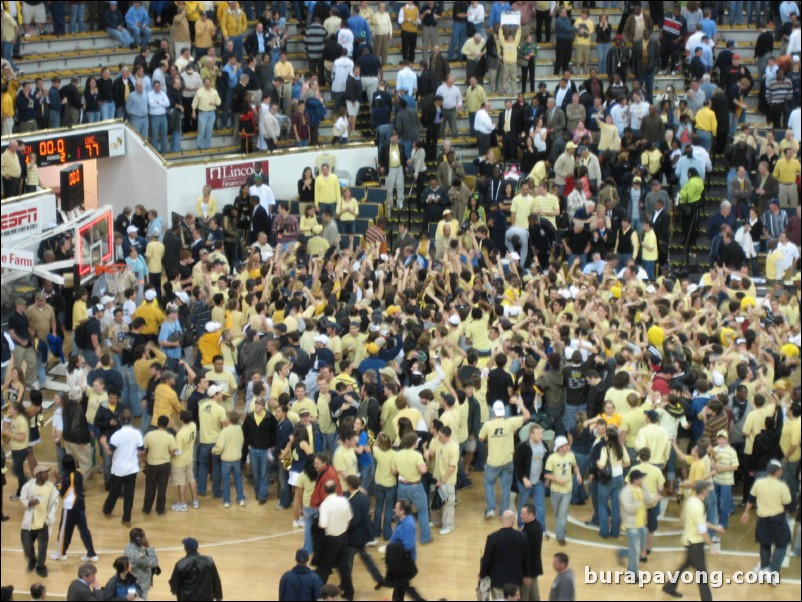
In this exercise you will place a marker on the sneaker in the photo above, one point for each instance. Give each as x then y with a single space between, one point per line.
382 549
178 507
445 531
195 504
89 558
298 524
715 539
279 508
226 505
13 498
57 556
435 524
490 514
371 543
242 502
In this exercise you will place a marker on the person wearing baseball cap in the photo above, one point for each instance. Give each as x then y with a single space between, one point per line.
195 577
499 435
725 463
40 499
154 257
558 469
300 582
212 419
635 499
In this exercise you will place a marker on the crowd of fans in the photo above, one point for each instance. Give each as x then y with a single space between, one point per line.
540 337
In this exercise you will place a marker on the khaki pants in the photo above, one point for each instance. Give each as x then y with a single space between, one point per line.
82 454
582 55
509 77
429 41
530 592
286 94
789 196
381 45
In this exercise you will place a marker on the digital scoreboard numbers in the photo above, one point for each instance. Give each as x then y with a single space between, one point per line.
72 187
68 149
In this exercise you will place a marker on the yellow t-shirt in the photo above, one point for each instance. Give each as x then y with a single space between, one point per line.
154 253
345 461
790 437
159 447
772 496
384 467
655 437
211 416
521 208
308 487
19 425
500 436
446 456
640 513
39 518
79 313
694 524
305 404
185 443
632 422
229 443
654 479
619 398
561 466
388 414
450 418
405 463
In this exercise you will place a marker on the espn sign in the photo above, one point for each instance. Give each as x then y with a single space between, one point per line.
233 176
14 259
21 219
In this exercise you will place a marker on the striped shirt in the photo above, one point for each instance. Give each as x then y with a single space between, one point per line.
725 456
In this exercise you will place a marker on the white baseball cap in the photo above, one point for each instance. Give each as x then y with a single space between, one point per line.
322 338
498 409
560 441
150 294
454 320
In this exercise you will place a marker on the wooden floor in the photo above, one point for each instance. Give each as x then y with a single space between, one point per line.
253 546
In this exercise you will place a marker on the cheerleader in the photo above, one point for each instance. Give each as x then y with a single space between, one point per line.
34 413
73 512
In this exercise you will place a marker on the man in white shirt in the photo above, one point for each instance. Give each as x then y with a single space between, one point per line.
342 68
483 126
452 102
790 254
638 109
266 197
795 123
521 208
125 448
269 128
335 515
406 79
158 103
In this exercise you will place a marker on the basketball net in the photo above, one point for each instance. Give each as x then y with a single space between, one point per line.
113 276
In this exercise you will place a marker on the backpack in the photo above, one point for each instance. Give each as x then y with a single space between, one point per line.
82 334
366 174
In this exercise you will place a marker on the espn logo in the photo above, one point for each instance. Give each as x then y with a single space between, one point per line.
19 221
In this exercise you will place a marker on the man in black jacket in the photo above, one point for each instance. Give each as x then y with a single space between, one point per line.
432 117
195 577
360 534
260 221
76 436
506 557
259 431
534 539
107 422
118 91
528 461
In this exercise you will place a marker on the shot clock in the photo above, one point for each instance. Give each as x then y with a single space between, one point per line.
72 187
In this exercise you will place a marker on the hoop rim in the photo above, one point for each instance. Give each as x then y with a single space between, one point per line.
111 268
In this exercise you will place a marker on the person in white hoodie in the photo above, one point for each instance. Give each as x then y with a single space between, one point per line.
269 129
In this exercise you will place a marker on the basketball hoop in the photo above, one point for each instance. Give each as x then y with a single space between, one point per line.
112 276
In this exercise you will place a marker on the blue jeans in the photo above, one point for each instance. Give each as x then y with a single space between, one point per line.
569 416
383 514
132 394
41 372
260 466
416 495
492 474
205 128
459 34
594 499
309 517
141 35
711 510
206 462
55 116
57 15
560 503
145 426
227 100
329 442
706 138
636 538
648 267
158 131
582 261
175 139
725 504
140 124
790 470
285 492
238 46
647 82
106 110
121 36
77 18
536 493
578 493
736 16
91 116
610 520
623 258
8 51
601 52
753 10
228 469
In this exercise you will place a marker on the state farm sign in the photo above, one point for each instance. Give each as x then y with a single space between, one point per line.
15 259
232 176
21 219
